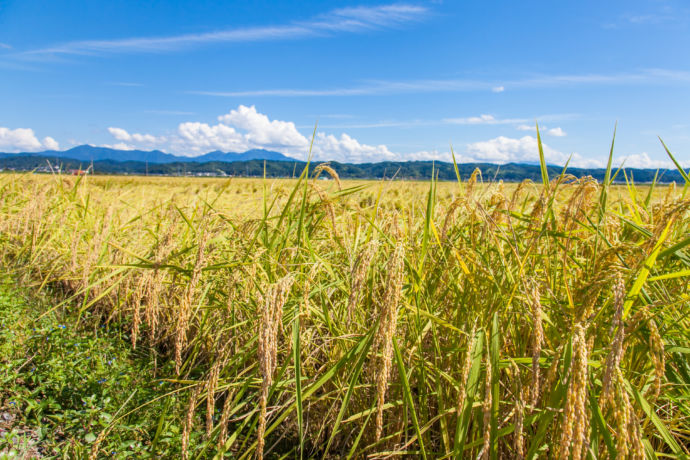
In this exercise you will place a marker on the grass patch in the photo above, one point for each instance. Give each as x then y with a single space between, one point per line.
62 385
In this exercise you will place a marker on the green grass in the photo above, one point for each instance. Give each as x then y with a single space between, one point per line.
62 385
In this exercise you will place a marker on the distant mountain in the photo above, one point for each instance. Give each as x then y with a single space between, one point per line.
89 153
409 170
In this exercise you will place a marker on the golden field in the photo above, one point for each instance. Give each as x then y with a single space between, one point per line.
331 319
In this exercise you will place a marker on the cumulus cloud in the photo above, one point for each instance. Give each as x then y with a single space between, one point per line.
498 89
23 140
195 138
246 128
119 146
119 134
347 149
122 135
558 132
510 150
50 143
643 161
262 131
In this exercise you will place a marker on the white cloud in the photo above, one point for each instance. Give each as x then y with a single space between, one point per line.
17 140
119 134
558 132
122 135
509 150
345 20
480 119
245 128
261 130
119 146
525 128
498 89
347 149
5 46
50 143
23 140
196 138
642 160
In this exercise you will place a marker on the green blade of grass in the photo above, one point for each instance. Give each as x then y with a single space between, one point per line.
297 359
644 271
675 162
408 396
658 423
350 390
542 162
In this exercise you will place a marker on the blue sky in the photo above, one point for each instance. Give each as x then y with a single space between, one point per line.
384 81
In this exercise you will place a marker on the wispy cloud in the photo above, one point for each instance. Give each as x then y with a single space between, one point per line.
557 131
366 88
377 87
380 124
5 46
344 20
664 15
484 119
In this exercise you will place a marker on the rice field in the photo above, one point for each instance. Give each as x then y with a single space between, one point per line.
350 319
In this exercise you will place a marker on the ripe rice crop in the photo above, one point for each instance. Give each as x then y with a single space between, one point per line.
317 318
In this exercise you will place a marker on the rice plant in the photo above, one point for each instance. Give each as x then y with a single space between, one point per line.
329 319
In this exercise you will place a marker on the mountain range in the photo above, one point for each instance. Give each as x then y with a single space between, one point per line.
89 153
257 163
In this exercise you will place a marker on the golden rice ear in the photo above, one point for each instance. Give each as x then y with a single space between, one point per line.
387 327
184 315
537 341
330 209
518 438
465 369
271 318
188 424
617 329
358 277
575 423
331 172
